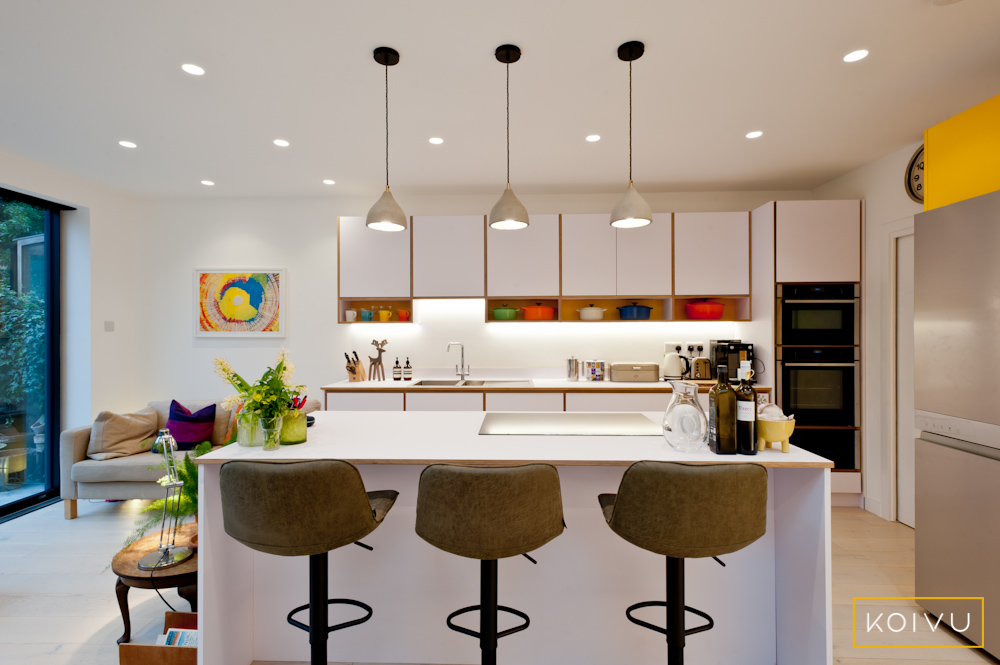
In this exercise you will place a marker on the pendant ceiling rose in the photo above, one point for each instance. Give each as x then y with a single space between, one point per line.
385 56
630 51
508 53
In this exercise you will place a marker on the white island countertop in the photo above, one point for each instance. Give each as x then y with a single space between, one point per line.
428 437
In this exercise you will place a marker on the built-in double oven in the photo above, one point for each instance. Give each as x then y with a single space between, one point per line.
819 368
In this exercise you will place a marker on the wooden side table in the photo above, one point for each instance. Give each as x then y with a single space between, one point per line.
183 577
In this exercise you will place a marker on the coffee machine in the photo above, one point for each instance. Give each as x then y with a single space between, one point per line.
730 352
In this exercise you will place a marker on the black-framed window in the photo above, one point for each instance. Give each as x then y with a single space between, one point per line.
29 351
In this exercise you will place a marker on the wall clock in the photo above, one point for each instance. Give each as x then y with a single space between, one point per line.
915 182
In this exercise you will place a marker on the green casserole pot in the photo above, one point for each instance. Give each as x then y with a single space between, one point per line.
505 313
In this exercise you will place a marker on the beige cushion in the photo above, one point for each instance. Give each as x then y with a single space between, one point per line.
133 468
117 435
222 416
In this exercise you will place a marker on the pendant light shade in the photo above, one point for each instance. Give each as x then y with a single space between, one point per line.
508 213
631 211
386 215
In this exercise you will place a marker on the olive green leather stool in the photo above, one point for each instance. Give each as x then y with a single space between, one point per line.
489 513
303 509
685 511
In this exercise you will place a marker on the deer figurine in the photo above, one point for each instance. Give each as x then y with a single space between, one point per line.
375 366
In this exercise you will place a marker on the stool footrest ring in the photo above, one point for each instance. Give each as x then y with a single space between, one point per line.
663 631
501 608
339 626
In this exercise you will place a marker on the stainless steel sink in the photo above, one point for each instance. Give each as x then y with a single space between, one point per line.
447 383
437 382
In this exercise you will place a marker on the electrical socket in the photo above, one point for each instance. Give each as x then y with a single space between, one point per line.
671 347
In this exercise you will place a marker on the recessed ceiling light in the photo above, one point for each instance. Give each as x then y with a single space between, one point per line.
207 182
127 144
754 135
193 69
436 141
854 56
329 182
594 137
281 142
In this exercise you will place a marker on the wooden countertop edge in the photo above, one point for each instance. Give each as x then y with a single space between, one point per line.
425 462
478 389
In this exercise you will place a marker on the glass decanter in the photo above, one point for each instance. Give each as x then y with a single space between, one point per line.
685 426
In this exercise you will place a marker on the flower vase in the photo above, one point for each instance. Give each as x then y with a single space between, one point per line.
271 428
248 430
293 427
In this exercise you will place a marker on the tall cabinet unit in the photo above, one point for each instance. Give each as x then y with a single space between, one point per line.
373 268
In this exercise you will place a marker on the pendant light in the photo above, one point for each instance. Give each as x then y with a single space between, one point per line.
631 210
508 213
386 215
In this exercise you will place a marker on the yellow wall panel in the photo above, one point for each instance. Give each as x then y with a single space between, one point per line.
962 155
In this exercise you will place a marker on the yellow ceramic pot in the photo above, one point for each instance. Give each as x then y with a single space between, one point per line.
773 431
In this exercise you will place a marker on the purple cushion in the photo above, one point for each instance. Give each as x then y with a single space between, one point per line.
190 429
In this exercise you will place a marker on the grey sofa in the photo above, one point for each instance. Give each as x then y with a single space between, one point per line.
122 477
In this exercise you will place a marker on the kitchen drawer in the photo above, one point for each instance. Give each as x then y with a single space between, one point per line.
628 402
444 401
364 401
524 401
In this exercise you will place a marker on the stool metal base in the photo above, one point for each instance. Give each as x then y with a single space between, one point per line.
318 606
488 608
675 630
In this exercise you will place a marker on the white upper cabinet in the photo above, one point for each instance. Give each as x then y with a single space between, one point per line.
373 264
448 257
524 262
588 256
644 263
712 254
818 241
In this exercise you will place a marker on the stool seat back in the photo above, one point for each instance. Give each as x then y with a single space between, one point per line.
489 512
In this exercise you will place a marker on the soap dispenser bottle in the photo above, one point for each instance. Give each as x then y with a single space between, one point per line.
407 371
397 371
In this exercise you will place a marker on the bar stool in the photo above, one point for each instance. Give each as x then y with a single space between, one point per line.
303 509
489 513
686 511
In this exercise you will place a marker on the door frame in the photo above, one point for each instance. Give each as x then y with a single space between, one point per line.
891 471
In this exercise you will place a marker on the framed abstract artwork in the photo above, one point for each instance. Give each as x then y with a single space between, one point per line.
240 303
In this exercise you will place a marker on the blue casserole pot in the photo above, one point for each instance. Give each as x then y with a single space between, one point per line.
634 312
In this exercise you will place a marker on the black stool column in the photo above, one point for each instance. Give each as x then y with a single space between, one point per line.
675 611
319 634
488 603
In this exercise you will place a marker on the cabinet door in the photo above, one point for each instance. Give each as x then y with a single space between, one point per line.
524 401
373 264
617 401
524 262
818 241
700 239
444 401
644 262
362 401
588 256
448 257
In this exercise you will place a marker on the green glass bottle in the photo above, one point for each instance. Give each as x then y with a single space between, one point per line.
722 415
746 413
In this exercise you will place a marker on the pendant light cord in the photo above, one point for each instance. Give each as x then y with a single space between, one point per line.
508 123
629 122
387 126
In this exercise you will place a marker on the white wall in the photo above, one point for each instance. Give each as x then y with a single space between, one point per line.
887 210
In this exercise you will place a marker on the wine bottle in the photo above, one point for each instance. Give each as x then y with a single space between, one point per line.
746 413
722 415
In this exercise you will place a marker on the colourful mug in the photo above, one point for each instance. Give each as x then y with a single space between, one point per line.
366 314
404 315
385 315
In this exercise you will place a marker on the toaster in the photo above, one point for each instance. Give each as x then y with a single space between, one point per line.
635 371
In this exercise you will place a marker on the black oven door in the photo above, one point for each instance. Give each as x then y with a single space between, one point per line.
824 394
818 322
840 446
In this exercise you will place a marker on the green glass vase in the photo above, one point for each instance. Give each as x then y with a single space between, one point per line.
293 428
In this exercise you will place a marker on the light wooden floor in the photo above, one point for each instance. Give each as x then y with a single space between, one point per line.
58 606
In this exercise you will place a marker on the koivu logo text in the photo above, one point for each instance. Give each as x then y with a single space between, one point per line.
886 623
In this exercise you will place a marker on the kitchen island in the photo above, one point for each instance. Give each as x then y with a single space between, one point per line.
771 603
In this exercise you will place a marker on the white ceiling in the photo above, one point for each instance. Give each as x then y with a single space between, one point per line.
77 77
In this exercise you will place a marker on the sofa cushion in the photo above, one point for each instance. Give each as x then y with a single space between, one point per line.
131 469
117 435
189 429
222 416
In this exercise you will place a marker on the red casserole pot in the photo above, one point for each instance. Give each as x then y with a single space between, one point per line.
538 312
703 310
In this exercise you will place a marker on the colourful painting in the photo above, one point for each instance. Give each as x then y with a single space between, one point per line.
240 304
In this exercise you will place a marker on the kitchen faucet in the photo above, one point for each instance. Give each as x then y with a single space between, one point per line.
462 370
